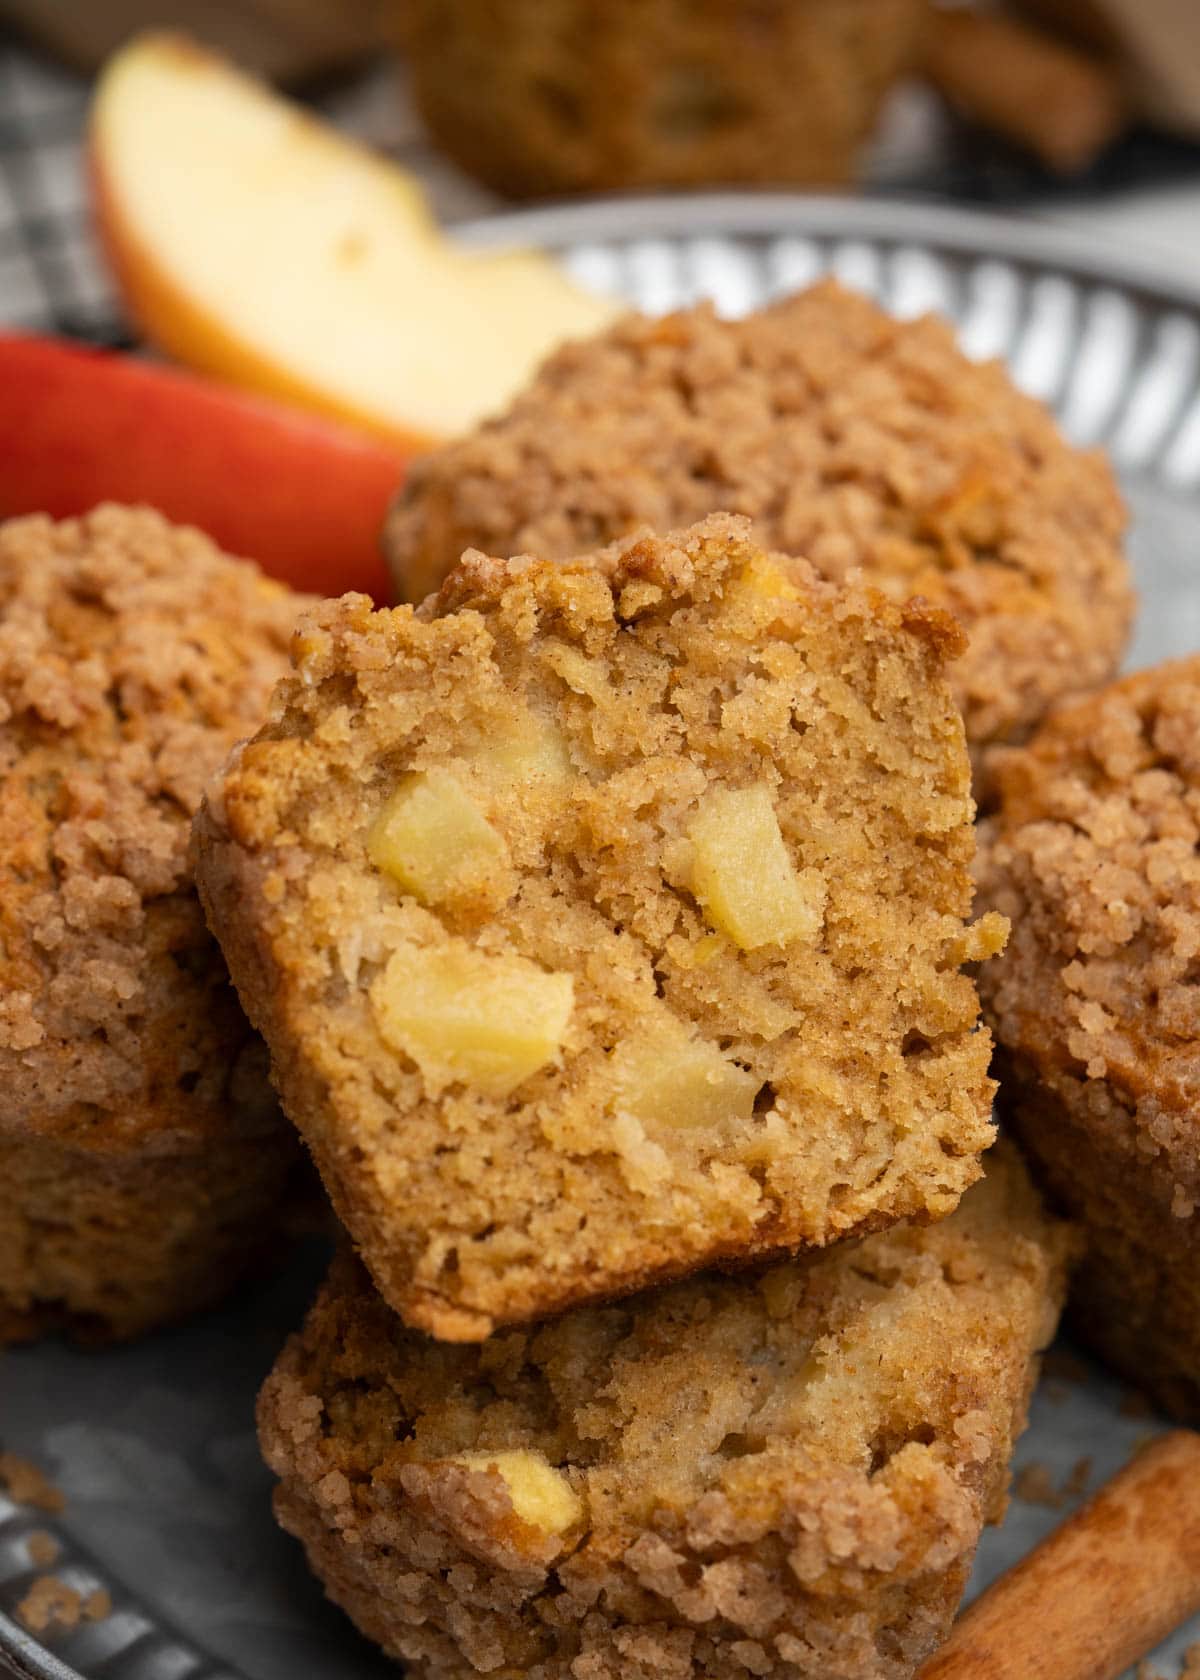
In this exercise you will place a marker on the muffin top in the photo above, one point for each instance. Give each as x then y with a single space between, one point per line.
848 437
132 657
1094 852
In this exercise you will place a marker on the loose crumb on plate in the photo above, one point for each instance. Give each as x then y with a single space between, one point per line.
1034 1484
97 1605
25 1483
52 1603
43 1548
1080 1474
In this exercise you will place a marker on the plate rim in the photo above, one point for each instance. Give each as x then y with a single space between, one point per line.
776 214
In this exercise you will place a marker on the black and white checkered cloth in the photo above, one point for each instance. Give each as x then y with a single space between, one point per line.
52 276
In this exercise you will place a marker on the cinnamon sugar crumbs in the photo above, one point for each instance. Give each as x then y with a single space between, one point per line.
97 1605
1078 1477
1034 1484
50 1603
25 1483
43 1548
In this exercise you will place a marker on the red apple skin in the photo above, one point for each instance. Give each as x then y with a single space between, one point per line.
303 496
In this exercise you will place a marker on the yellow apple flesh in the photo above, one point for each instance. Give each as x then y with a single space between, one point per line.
254 242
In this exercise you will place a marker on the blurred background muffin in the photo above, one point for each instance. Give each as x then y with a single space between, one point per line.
559 96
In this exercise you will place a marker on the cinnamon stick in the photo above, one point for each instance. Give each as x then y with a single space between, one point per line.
1062 104
1099 1592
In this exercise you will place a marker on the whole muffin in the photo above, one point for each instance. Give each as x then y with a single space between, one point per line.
606 921
849 438
782 1475
1095 855
142 1155
559 96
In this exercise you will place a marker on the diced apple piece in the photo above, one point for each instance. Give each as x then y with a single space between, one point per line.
743 876
529 747
763 577
667 1078
486 1019
541 1495
433 840
253 241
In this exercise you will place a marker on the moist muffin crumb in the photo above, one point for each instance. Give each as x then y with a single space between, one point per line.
141 1150
848 437
783 1475
1095 854
605 921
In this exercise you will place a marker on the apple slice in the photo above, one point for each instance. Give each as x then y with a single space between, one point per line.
300 495
253 241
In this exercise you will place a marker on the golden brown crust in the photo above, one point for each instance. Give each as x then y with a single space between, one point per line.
553 96
132 657
850 438
669 671
1094 854
783 1475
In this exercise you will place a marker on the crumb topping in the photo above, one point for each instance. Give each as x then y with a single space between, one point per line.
132 657
1095 856
848 437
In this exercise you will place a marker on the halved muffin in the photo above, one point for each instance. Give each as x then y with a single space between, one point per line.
605 921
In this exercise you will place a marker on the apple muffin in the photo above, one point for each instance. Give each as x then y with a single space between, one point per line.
1095 853
605 921
142 1153
850 438
782 1474
562 96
